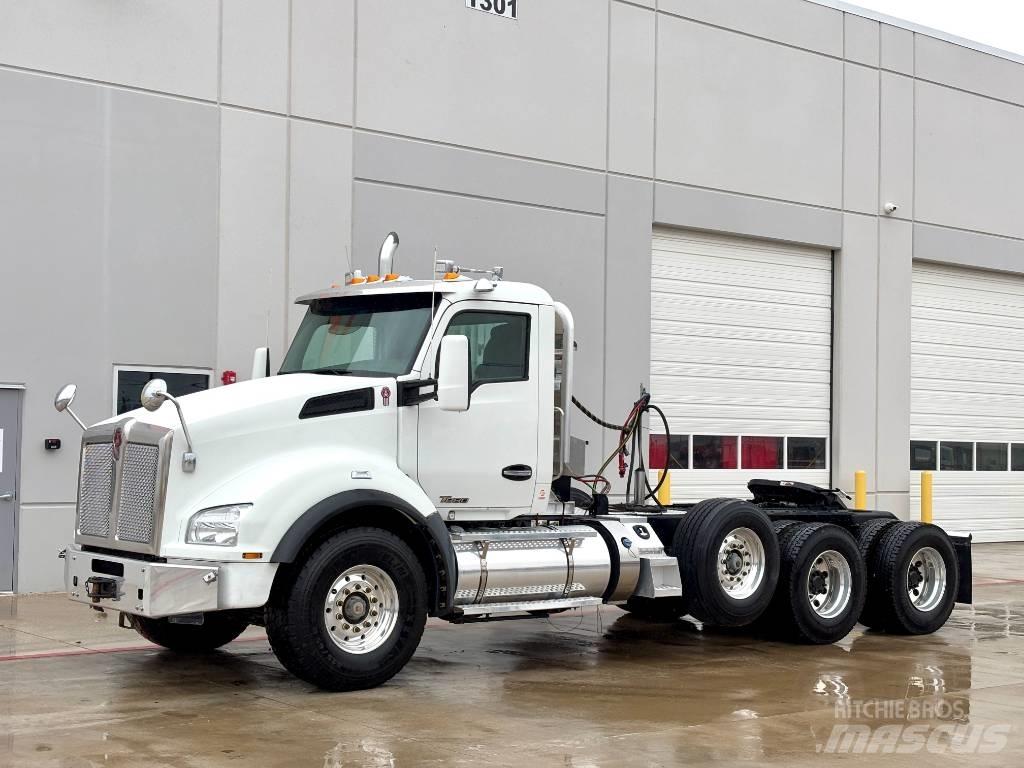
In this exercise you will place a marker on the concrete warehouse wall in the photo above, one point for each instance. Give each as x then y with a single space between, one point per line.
173 174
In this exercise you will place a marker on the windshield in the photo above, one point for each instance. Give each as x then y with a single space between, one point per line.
360 335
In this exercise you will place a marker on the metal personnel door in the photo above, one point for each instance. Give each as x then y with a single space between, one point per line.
10 433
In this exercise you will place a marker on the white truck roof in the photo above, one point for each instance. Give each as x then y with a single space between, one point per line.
459 289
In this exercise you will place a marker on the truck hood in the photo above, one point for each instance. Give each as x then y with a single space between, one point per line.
257 404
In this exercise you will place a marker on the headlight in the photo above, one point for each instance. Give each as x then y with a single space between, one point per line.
217 526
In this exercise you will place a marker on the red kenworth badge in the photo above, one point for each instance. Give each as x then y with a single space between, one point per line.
385 395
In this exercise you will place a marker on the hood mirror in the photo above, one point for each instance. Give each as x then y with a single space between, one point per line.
64 399
154 394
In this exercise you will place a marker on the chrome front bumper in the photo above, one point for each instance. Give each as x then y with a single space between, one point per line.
139 587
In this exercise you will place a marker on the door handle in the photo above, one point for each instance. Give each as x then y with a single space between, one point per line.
517 472
7 496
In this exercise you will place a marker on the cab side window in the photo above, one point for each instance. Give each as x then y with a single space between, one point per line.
499 345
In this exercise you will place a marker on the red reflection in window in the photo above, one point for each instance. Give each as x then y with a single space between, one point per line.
762 452
657 451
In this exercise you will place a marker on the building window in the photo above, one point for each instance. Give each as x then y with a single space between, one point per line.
924 454
992 457
806 452
129 381
956 456
714 452
671 454
762 453
1017 457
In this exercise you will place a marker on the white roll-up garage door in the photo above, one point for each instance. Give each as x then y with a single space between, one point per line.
967 398
741 350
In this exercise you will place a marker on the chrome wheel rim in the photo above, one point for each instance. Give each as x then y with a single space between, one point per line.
361 609
829 584
926 579
741 563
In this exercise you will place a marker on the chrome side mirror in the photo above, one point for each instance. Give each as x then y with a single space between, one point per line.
63 400
154 394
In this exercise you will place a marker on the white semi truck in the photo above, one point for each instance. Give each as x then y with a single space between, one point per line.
411 458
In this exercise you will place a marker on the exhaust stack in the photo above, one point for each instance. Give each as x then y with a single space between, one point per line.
388 249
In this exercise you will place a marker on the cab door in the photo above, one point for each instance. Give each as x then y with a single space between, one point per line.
485 458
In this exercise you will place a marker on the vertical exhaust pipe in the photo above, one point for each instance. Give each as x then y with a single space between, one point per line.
386 260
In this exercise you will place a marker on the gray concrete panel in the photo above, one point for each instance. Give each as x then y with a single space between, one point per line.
804 25
897 49
43 529
854 343
481 174
689 207
627 299
969 70
319 211
861 40
254 54
895 258
896 164
631 90
323 59
860 140
160 254
969 161
745 115
968 249
252 292
168 47
562 252
534 87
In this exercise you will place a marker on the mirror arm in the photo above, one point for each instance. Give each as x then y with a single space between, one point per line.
75 417
188 459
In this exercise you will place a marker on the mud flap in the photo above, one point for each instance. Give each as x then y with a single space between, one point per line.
962 547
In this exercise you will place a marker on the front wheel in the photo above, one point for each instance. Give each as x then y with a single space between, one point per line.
218 628
352 615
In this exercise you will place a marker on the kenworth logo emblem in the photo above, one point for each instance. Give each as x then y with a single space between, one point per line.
115 443
454 500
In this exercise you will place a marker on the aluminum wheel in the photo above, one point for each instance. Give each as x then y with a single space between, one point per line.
829 584
361 609
741 563
926 579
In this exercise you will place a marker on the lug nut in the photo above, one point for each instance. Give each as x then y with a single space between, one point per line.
346 627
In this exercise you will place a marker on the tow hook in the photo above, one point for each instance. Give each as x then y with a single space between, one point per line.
100 588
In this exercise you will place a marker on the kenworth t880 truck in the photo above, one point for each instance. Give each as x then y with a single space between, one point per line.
412 458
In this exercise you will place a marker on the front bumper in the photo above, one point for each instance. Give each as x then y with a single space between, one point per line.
144 588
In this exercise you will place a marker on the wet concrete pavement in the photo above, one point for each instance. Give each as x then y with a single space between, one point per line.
601 689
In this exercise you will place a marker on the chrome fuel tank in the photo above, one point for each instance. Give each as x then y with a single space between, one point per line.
530 564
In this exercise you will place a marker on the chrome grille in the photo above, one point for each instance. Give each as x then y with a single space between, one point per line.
121 502
97 491
137 498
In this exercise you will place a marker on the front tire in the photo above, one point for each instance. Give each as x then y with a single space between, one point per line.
353 614
218 628
728 561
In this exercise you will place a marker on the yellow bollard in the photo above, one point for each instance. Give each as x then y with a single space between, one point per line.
860 489
665 492
926 497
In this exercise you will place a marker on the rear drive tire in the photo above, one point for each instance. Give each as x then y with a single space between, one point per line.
728 561
218 628
662 610
868 534
352 614
821 584
913 579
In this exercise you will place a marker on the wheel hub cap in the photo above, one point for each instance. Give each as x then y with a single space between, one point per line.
926 579
741 563
829 584
361 609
